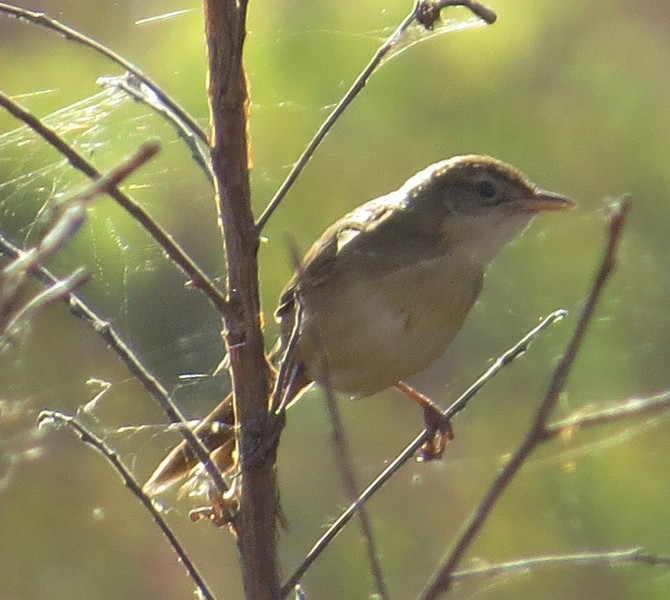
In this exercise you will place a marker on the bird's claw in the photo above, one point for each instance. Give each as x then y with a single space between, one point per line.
440 433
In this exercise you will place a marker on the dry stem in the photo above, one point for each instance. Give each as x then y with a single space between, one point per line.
256 525
442 580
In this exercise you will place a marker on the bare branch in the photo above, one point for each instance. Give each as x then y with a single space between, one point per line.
413 447
179 257
345 466
73 212
583 559
425 12
88 437
139 91
54 293
70 34
57 292
610 413
257 427
441 582
109 335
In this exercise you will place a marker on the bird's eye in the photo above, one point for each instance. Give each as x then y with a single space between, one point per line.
486 189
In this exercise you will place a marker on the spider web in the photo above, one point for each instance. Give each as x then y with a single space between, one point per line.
118 255
108 125
104 128
124 261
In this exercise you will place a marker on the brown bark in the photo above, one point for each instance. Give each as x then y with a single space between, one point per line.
228 96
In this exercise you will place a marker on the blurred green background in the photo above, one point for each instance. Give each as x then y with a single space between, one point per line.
575 94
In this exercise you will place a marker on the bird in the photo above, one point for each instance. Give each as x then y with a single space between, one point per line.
384 291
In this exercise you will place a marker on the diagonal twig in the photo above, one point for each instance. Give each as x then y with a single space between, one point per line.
582 559
425 12
73 211
520 348
139 91
345 462
347 474
70 34
610 413
442 580
340 443
88 437
51 295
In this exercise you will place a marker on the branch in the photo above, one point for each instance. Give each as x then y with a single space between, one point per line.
73 212
426 13
139 91
347 474
520 348
611 413
109 335
583 559
70 34
442 581
88 437
53 294
225 29
179 257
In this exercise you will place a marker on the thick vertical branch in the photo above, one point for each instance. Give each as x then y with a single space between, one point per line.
228 96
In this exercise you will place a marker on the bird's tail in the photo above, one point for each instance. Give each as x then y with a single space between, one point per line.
217 434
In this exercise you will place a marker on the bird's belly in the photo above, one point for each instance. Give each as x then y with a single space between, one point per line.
363 338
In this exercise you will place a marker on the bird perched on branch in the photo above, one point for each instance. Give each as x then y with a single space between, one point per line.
385 289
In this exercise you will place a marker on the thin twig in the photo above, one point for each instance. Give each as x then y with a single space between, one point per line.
424 12
287 368
109 335
73 212
506 358
179 257
108 182
70 34
343 455
69 217
441 582
88 437
610 413
411 449
582 559
140 92
51 295
16 272
345 466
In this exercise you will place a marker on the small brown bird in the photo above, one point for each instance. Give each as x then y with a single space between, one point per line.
386 288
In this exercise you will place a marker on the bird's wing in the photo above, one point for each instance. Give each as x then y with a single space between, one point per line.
322 257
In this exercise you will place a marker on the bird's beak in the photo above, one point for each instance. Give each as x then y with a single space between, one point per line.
542 201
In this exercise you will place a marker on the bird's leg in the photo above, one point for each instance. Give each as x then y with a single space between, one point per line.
437 425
